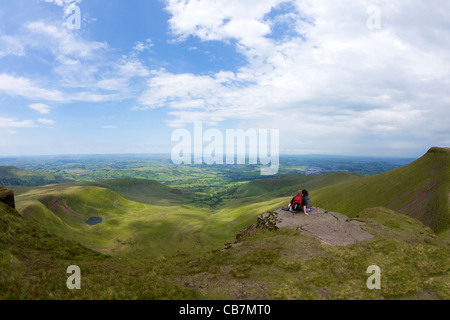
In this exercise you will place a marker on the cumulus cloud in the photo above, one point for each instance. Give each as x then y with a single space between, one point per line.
89 66
313 68
28 88
140 46
40 107
24 87
75 61
10 45
46 121
13 123
63 43
7 123
329 74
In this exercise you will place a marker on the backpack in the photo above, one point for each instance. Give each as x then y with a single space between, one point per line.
297 203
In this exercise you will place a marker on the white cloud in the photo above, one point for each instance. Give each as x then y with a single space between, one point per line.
140 47
63 3
46 121
76 62
40 107
63 43
313 69
130 68
19 86
82 70
6 123
10 45
13 123
121 74
27 88
109 127
111 84
219 20
88 66
332 75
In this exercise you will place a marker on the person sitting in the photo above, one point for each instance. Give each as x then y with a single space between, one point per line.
307 202
296 204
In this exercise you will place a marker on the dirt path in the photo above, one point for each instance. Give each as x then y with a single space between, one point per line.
329 228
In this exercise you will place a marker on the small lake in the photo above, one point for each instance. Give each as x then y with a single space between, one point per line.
94 220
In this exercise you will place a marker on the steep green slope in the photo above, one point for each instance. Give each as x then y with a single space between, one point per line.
12 176
130 228
143 217
419 190
34 262
289 184
280 190
144 191
284 264
280 264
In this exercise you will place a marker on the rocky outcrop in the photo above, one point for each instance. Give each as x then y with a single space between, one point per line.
330 228
7 197
267 220
439 150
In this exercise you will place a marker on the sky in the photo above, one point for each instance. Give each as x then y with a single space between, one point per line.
361 78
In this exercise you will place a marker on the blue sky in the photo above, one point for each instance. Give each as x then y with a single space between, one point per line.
137 70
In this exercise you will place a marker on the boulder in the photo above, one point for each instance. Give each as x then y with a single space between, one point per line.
7 197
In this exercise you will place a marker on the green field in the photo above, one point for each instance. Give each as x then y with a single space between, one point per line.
12 176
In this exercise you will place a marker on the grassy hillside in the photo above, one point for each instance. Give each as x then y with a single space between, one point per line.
33 264
143 217
12 176
154 244
280 264
279 190
147 218
284 264
289 184
420 190
131 228
128 227
144 191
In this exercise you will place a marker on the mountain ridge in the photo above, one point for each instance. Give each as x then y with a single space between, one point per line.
420 190
13 176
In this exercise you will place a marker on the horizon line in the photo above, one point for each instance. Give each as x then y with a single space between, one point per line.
168 154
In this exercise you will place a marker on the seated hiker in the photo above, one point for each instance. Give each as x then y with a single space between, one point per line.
307 202
296 203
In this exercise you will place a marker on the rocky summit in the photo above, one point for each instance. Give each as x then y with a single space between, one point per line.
330 228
